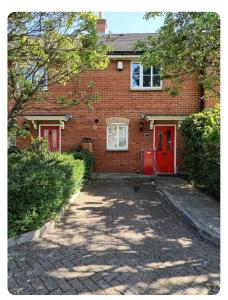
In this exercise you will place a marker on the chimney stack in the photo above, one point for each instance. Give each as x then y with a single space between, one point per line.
101 24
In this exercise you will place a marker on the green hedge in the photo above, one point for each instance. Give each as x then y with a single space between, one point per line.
201 133
88 159
39 183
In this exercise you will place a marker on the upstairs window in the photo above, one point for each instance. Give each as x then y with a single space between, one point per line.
143 77
40 76
36 75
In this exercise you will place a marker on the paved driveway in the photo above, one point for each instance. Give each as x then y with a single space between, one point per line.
120 237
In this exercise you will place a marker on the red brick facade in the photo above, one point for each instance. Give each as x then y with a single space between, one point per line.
118 100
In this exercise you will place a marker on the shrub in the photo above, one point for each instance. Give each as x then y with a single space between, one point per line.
201 133
88 159
39 184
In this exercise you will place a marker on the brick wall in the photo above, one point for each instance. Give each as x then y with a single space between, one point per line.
118 100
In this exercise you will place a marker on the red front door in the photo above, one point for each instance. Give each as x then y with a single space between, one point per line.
164 149
52 134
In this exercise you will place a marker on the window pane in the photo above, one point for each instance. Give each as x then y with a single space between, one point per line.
146 76
112 141
147 81
168 140
37 75
156 70
40 75
160 140
54 139
111 129
135 75
112 137
46 131
122 137
122 143
146 70
156 80
122 131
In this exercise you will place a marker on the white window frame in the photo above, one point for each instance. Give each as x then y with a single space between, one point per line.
153 88
107 134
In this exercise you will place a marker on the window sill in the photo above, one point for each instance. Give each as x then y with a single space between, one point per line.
146 89
116 150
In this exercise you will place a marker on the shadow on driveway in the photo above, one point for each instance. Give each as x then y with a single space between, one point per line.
120 237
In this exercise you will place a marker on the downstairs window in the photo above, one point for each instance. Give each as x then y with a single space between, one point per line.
117 137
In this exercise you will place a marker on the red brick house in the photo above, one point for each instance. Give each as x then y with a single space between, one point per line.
135 127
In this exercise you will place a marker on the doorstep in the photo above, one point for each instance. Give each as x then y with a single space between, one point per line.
127 176
200 210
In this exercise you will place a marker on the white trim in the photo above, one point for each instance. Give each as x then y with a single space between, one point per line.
34 123
126 57
107 134
165 118
117 120
60 133
48 118
175 144
141 88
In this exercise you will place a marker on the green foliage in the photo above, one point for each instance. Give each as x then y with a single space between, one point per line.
201 133
187 44
45 48
39 184
87 157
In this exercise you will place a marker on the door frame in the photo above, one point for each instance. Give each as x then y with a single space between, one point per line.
60 137
175 150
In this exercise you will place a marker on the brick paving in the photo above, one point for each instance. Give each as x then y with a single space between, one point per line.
120 237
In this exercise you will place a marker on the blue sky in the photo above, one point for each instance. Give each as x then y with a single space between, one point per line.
130 22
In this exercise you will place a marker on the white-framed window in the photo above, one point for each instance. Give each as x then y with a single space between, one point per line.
117 136
37 75
143 77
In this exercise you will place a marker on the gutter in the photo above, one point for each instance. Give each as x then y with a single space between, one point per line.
127 57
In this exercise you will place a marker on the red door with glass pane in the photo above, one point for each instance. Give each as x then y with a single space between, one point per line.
164 149
52 135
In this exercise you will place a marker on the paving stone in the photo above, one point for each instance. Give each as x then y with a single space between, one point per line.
57 292
63 284
118 286
123 277
109 277
103 284
128 291
90 285
200 210
50 283
12 285
38 286
99 292
116 241
77 285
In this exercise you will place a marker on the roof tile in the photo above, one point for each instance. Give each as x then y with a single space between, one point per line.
123 42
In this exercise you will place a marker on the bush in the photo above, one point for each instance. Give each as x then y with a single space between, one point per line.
88 159
201 133
39 184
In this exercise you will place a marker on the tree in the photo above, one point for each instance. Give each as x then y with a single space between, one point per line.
187 45
48 48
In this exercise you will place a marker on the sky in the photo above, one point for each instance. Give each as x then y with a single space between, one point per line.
131 22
